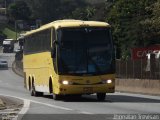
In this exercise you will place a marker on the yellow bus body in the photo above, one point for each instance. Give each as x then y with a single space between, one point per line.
38 68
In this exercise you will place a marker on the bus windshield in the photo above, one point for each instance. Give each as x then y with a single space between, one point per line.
83 51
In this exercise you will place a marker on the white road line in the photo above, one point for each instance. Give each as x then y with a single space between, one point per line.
8 112
27 105
24 109
53 106
87 113
59 107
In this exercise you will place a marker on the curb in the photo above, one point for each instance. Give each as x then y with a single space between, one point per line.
14 69
142 93
24 109
2 105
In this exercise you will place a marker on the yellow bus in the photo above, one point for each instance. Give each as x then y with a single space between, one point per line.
70 57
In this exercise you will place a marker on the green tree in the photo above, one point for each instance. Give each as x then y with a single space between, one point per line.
19 10
126 17
84 14
46 10
151 25
50 10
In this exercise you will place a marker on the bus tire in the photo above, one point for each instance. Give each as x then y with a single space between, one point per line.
56 97
39 94
101 96
34 92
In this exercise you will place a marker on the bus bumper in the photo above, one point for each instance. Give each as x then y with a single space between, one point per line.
86 89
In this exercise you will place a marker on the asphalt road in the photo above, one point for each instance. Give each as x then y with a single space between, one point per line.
116 106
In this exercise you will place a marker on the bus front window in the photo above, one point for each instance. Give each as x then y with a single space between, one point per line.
84 51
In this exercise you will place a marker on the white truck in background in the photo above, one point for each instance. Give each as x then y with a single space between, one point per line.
8 45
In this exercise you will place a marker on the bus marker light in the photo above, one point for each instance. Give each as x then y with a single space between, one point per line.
109 81
106 81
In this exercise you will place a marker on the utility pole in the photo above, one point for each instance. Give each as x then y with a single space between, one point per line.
5 3
16 28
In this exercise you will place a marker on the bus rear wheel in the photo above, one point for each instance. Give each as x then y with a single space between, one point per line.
34 92
101 96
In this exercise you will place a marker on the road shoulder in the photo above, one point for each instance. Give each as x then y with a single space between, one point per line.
10 107
2 105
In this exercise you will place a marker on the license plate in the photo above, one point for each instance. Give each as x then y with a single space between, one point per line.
88 90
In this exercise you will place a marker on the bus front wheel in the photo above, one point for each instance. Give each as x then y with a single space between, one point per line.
101 96
56 97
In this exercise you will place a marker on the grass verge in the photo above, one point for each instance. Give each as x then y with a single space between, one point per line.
8 31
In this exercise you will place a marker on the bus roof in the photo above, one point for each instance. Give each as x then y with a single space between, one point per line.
68 23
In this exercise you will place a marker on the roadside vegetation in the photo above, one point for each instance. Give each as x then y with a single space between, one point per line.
135 23
8 31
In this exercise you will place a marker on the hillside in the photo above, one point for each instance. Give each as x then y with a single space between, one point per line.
8 31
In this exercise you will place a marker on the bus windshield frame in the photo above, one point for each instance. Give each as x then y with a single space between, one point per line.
85 51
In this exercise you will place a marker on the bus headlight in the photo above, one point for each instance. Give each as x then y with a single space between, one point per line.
107 81
66 82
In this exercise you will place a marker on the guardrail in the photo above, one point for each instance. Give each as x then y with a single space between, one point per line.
144 86
17 67
138 69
